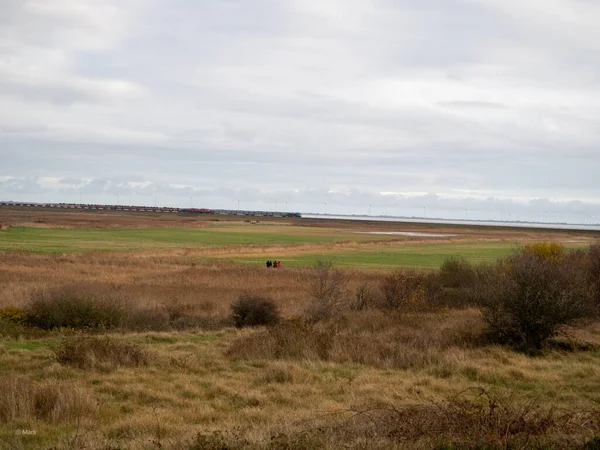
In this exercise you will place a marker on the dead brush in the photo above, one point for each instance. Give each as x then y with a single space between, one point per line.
89 353
472 419
374 337
403 290
23 401
327 288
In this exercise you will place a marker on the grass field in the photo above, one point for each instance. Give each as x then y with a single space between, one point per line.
56 240
296 243
364 379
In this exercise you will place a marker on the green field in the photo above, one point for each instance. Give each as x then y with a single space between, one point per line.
381 251
429 255
60 240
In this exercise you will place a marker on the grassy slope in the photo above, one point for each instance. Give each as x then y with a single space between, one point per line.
191 386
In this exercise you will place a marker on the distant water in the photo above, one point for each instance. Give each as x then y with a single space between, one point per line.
406 233
550 226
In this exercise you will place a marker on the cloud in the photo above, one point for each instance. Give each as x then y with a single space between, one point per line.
493 99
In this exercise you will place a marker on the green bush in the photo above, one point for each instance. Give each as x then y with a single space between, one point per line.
252 310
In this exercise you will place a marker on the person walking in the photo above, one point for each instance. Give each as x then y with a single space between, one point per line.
269 264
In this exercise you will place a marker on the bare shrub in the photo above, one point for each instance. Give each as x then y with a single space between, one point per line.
327 289
86 352
74 307
403 289
472 419
593 262
365 297
528 297
24 401
251 310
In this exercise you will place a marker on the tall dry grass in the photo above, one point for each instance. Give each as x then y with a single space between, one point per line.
376 338
88 352
22 401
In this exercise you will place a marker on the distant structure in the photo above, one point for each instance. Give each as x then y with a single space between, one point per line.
159 209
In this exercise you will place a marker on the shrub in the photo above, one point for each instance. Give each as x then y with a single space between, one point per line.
23 401
593 269
527 297
472 419
12 314
457 273
364 297
86 352
544 250
74 307
402 289
327 288
252 310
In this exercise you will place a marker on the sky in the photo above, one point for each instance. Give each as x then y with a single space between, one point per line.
479 109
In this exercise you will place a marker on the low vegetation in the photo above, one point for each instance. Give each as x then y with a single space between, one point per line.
22 401
211 355
252 310
88 352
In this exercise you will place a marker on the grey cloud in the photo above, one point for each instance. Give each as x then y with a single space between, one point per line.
227 97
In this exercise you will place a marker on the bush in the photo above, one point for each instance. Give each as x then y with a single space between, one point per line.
364 297
457 273
327 288
544 250
90 353
527 297
472 419
403 289
74 307
12 314
252 310
593 269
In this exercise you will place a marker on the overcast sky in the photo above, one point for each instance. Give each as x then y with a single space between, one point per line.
453 108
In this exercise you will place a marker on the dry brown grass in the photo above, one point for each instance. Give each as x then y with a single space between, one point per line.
205 288
22 401
376 338
192 386
88 352
362 379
